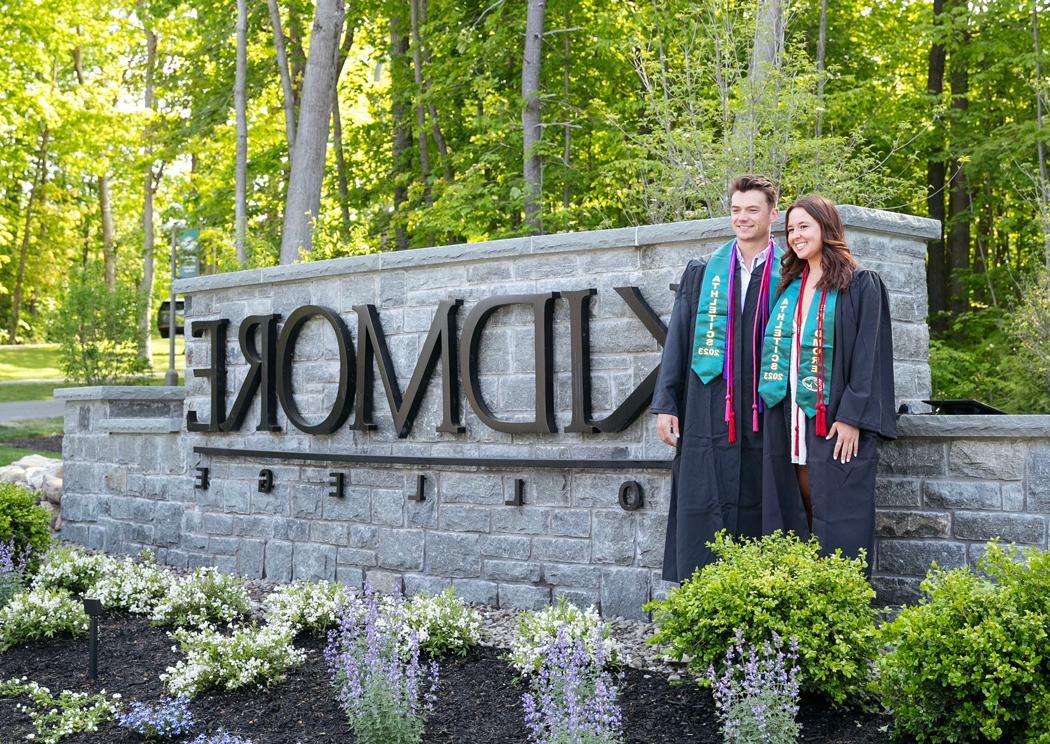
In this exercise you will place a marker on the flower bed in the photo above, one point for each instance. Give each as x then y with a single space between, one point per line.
478 699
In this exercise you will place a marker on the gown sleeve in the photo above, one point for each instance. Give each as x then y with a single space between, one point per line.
676 360
868 398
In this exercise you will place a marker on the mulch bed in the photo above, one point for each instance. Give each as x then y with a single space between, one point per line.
37 444
478 700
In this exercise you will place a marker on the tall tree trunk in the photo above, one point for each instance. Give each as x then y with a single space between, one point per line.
39 178
421 116
109 254
286 77
149 189
304 187
296 57
240 104
822 47
936 173
435 122
531 114
1044 179
958 199
567 103
401 135
337 132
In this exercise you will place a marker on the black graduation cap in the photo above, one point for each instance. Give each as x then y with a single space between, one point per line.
962 408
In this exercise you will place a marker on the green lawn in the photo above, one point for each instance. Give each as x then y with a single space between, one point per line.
40 361
27 429
17 391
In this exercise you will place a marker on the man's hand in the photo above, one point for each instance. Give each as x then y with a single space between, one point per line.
667 428
848 443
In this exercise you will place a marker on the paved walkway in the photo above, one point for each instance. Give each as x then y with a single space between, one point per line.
30 409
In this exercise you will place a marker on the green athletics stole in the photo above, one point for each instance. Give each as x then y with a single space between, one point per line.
814 351
712 340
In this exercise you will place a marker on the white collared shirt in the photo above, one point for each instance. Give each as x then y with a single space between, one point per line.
745 271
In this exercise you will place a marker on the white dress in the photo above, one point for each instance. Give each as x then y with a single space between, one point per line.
798 416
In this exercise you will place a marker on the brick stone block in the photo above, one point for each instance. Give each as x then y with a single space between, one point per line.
1037 478
314 562
249 555
364 536
428 585
582 598
132 509
464 518
913 557
558 574
624 591
897 492
561 549
1013 497
217 524
471 488
912 457
912 524
506 546
961 495
331 533
895 590
355 506
385 582
510 570
571 523
651 532
453 554
1020 528
522 520
612 537
524 596
356 557
388 508
985 459
167 523
349 575
277 560
476 591
401 550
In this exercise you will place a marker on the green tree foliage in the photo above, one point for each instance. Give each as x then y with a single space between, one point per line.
97 329
24 523
648 107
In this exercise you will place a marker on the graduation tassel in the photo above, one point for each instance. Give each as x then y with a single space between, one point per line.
732 427
754 417
822 420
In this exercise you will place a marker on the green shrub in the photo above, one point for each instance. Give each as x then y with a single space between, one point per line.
24 522
40 613
309 606
443 623
777 584
204 597
97 329
70 568
970 661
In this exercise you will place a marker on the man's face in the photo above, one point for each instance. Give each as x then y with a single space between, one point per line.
751 215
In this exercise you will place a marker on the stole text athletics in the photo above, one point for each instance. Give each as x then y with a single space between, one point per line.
268 347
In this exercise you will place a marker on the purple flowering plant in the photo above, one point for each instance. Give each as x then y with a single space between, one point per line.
756 692
386 692
168 719
13 567
572 699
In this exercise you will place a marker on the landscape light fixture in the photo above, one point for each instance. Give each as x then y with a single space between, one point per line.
93 608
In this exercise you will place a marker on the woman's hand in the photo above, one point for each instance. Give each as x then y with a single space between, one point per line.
667 428
848 443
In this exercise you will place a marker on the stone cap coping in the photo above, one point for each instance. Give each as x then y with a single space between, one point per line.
121 392
976 427
857 218
139 426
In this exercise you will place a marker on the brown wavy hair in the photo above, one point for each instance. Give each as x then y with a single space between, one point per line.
755 183
835 258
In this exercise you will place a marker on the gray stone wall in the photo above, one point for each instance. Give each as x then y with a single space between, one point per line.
131 465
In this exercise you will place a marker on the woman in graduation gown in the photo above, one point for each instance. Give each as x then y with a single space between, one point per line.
827 380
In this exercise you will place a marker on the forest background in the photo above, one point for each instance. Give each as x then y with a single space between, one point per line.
291 130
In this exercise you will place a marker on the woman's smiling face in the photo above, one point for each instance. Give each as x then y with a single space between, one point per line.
804 235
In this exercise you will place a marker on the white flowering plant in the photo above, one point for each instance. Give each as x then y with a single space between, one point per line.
58 718
40 613
308 606
443 623
70 568
249 656
205 596
538 631
134 586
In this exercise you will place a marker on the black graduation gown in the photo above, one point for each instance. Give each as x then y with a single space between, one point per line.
715 485
843 494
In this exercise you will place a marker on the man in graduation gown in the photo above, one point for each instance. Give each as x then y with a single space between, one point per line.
705 400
